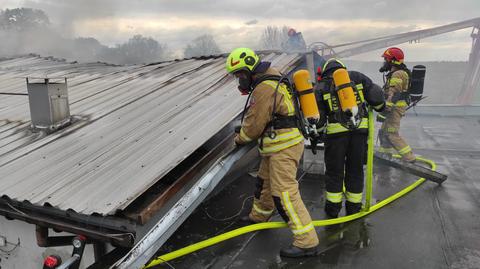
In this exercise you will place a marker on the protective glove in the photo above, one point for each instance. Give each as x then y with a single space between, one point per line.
381 117
237 141
388 109
237 129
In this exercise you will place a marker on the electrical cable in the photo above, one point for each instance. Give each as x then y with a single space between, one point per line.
15 246
230 217
167 263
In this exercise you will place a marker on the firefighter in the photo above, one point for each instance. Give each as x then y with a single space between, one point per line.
270 120
295 42
396 94
345 139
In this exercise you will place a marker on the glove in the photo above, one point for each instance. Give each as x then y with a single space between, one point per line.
381 117
388 109
237 129
237 141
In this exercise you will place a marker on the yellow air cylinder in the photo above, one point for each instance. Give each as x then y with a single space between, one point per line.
347 98
308 103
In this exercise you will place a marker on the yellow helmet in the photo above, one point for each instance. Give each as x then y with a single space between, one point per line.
242 59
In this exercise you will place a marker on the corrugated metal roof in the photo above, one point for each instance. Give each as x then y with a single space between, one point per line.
133 125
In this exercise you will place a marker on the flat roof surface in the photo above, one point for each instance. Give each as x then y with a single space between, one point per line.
132 125
431 227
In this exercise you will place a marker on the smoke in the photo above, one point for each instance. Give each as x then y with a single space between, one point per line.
239 24
25 30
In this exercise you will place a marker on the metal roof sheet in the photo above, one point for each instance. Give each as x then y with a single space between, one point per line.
133 125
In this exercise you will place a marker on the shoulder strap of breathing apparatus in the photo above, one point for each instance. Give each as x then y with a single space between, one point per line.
337 112
282 121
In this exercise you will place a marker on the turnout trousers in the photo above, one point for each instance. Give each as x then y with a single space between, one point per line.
277 187
345 155
389 135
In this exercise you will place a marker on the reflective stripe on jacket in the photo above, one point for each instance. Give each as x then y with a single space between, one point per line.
336 127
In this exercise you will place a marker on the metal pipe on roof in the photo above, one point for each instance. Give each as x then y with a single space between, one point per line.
13 93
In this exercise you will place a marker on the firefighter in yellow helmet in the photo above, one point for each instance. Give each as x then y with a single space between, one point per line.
396 86
270 119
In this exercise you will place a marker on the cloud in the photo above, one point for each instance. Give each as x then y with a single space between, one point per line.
240 23
444 10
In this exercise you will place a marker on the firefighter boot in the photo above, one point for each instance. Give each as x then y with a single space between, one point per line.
332 209
296 252
247 220
352 208
409 157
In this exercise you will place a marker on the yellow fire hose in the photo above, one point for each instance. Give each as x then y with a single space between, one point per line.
317 223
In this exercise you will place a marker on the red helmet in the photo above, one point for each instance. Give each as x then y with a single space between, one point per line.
291 32
393 55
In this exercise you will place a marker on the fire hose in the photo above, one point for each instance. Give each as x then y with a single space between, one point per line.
367 209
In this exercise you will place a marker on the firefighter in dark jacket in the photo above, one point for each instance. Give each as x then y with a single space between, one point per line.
345 141
280 146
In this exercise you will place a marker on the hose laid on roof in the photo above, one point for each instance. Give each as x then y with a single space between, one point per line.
317 223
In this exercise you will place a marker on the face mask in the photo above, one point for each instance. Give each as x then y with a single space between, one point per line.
385 67
244 83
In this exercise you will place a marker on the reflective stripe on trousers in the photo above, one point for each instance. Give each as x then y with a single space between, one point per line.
334 197
299 228
386 150
354 197
405 150
261 211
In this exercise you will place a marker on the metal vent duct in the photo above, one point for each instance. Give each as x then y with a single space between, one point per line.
49 108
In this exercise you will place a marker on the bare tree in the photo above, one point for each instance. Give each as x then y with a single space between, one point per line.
201 46
273 37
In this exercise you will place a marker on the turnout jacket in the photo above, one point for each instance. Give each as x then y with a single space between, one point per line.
259 115
396 88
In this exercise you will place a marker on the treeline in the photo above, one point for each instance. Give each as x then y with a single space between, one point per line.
25 30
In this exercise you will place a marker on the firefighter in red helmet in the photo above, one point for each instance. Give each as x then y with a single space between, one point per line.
396 95
295 42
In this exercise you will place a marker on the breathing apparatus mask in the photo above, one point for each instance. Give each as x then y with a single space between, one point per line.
385 67
244 81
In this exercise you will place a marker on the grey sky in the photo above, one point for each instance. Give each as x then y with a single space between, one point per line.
230 22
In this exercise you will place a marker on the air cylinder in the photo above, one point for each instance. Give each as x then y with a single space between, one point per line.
308 103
